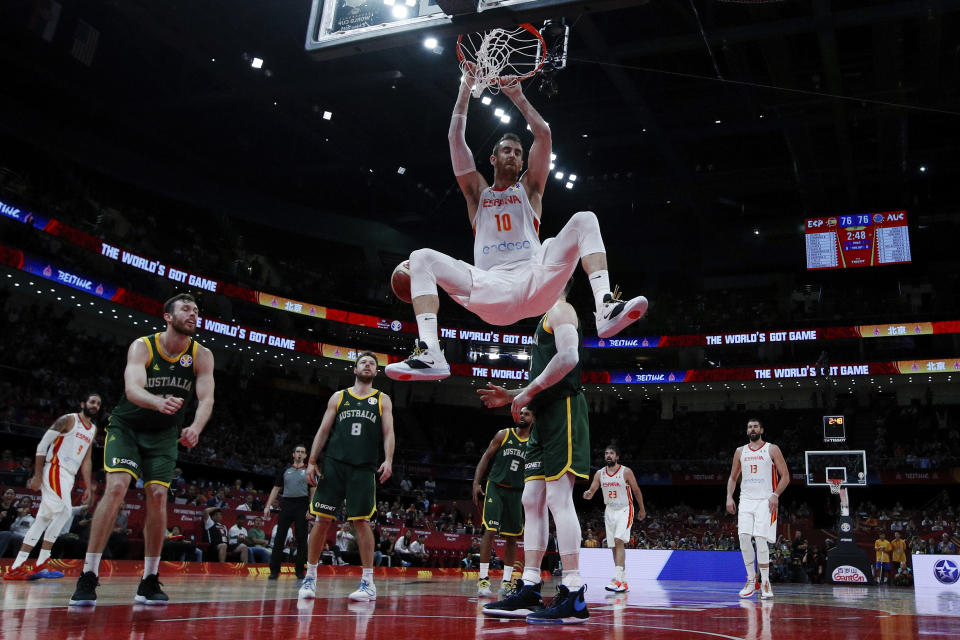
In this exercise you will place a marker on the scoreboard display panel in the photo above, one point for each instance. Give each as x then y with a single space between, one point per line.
857 240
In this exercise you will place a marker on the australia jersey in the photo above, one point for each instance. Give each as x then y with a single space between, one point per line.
543 350
616 492
69 449
508 461
167 375
505 228
357 433
759 476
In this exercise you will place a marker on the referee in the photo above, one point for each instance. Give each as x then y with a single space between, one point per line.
294 498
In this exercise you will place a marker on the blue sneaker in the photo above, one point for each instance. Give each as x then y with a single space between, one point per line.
524 601
308 589
41 572
566 608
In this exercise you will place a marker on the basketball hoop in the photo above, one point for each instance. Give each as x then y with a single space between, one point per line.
835 485
501 57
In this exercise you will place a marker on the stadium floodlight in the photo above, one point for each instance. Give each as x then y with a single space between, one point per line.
256 63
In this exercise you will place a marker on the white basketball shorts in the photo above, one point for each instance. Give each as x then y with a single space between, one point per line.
754 518
619 521
56 491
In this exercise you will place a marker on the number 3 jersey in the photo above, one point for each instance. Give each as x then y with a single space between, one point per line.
70 447
505 228
759 478
357 434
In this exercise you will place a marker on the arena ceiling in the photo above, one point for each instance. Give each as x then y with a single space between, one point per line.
702 132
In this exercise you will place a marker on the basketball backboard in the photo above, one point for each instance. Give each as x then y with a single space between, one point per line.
345 27
848 466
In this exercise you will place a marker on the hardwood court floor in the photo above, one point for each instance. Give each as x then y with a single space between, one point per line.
219 608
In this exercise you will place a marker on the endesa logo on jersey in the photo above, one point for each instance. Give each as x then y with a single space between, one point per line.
846 573
507 247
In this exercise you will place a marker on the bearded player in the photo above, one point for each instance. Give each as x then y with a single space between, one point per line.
765 477
513 275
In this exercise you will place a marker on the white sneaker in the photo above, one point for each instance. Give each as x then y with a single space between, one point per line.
615 314
308 589
483 588
617 586
766 592
749 589
423 364
365 592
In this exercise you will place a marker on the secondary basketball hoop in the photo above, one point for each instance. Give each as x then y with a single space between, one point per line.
835 485
501 57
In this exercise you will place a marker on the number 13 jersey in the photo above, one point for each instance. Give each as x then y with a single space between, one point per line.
758 476
506 228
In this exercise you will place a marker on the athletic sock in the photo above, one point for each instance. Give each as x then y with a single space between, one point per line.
485 570
507 574
600 283
427 328
92 563
311 570
531 576
21 558
367 575
572 579
751 572
620 574
764 574
43 557
151 565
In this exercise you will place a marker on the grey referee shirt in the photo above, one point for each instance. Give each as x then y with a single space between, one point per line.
294 482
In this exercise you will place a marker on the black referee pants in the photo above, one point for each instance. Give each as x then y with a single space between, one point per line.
293 511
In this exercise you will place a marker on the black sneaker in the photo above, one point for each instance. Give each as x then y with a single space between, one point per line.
566 608
86 593
149 591
524 601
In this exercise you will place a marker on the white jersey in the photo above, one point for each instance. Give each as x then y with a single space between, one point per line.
616 492
759 474
68 450
506 228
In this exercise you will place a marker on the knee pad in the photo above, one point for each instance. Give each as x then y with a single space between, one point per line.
763 551
560 503
535 525
746 547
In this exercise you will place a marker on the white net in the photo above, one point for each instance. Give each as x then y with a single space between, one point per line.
500 57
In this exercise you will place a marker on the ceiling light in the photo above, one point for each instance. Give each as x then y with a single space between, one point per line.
923 169
498 112
553 156
430 43
327 115
573 177
716 122
552 166
485 100
558 175
256 63
399 11
505 119
569 185
401 170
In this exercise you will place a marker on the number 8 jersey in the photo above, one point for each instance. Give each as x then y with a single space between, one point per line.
506 228
357 433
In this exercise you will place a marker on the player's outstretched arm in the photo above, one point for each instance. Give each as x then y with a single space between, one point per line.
732 481
481 469
589 493
538 160
464 168
389 440
323 433
203 366
59 426
563 320
494 396
781 464
637 494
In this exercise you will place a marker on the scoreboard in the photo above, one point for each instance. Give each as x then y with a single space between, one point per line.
857 240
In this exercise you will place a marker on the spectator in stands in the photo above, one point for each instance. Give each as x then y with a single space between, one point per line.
176 548
216 533
946 545
285 547
13 537
401 549
347 544
257 541
472 559
247 504
177 484
7 463
418 549
798 552
386 549
219 499
591 541
904 577
26 465
816 566
406 486
237 539
8 509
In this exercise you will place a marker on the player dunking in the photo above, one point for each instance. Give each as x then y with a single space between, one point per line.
558 452
64 450
765 477
512 276
619 488
357 421
163 371
502 505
